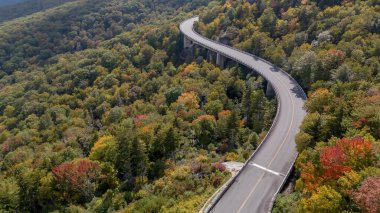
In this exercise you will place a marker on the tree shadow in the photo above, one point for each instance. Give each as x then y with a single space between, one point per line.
298 91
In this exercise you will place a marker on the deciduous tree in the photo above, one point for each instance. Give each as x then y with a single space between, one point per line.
77 180
367 196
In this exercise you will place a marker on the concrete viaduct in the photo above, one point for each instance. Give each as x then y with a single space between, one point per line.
263 175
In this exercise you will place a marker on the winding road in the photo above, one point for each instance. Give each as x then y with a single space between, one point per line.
265 172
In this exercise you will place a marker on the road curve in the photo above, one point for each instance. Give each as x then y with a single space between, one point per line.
264 173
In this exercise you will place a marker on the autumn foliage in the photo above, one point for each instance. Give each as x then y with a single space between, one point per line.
77 179
308 175
345 155
368 195
138 118
189 99
358 150
348 154
333 162
219 166
224 113
110 81
204 117
188 69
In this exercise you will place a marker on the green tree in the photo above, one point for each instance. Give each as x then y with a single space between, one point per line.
256 111
171 141
306 67
172 94
214 107
139 158
125 136
115 115
9 195
268 21
286 203
109 60
311 131
205 129
165 143
28 181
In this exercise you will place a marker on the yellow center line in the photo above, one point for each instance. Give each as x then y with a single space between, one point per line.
270 163
278 149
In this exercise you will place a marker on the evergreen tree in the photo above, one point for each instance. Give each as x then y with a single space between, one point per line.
233 124
171 141
268 21
256 111
139 158
124 144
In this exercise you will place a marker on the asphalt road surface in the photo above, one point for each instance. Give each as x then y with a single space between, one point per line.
260 180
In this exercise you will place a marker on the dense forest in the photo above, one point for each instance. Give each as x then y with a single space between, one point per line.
101 109
333 49
16 9
10 2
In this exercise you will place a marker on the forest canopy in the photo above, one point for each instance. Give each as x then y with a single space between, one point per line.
102 110
332 48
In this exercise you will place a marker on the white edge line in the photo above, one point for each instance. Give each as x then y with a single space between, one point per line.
266 169
216 199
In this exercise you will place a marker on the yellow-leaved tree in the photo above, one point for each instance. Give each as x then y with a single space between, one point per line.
105 149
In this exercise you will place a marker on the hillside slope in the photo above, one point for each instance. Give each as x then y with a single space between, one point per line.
16 9
99 112
333 50
102 110
9 2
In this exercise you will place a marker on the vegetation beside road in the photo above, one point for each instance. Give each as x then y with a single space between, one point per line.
100 112
332 48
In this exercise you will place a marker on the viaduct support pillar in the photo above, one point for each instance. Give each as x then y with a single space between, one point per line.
186 42
210 56
270 91
220 60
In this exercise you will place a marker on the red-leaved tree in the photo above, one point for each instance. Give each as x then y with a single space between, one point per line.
347 154
333 162
368 195
77 180
359 152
